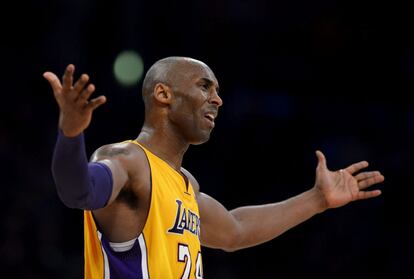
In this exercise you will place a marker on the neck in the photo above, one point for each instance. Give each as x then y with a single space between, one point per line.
164 144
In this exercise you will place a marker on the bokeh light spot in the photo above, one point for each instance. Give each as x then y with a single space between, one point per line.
128 68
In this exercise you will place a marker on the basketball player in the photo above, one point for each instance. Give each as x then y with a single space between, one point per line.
144 214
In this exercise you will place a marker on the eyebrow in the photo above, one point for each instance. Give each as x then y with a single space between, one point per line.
210 83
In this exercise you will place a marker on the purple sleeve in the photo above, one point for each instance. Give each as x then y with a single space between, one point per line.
79 184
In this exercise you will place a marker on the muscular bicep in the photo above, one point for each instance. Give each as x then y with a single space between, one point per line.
219 228
114 159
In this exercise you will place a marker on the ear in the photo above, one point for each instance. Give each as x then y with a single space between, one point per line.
162 93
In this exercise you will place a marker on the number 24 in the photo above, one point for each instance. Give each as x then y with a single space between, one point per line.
185 257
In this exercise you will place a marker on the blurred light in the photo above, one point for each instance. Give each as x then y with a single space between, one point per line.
128 68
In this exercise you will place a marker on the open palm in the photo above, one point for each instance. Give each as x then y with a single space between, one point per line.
73 100
341 187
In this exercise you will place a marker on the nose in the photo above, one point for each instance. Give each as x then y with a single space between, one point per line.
215 99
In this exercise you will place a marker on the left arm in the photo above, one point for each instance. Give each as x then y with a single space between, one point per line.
252 225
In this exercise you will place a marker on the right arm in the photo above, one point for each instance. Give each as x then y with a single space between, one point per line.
86 185
81 184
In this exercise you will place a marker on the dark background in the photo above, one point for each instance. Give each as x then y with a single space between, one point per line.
295 76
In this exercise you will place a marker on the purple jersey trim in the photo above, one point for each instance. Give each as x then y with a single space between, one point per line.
128 264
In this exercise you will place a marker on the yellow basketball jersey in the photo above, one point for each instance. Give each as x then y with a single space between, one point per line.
169 245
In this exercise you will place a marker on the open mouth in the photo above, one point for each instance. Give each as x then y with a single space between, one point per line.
210 117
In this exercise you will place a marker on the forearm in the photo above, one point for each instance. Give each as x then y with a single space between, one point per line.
79 184
258 224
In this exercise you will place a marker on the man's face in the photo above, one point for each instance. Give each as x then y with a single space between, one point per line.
196 102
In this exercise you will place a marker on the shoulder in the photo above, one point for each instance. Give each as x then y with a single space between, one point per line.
129 163
120 150
126 155
193 181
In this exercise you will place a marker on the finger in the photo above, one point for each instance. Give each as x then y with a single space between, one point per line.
370 181
366 175
356 167
53 81
83 98
94 103
80 83
68 77
368 194
321 159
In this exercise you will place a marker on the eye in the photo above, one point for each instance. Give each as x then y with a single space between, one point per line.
205 86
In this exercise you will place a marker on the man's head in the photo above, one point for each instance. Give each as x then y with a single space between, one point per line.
181 93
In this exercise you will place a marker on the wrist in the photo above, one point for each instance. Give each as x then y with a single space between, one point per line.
67 128
68 136
318 199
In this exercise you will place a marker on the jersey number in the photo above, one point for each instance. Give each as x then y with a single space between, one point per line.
185 257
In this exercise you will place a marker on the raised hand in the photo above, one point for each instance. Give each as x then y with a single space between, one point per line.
341 187
73 100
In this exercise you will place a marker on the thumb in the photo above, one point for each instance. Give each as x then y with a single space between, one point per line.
321 160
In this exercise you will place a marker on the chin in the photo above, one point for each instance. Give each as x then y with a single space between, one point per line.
200 140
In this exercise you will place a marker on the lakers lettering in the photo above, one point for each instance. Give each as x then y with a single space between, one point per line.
185 220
